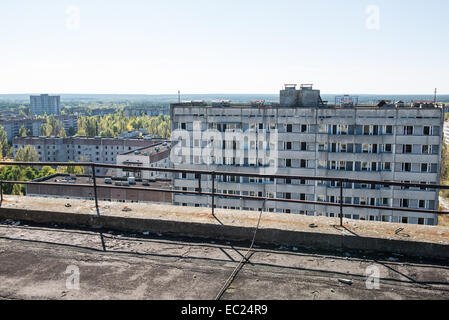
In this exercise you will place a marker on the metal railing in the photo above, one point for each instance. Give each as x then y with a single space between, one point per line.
199 173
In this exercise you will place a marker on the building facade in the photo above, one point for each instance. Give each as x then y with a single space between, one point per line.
70 190
82 149
12 126
386 142
45 104
155 156
33 125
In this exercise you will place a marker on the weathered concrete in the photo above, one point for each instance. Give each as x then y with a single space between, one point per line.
34 260
278 229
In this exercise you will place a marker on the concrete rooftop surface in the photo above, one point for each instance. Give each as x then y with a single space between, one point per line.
141 263
237 218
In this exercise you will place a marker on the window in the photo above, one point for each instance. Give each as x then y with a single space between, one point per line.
303 146
407 148
322 164
387 166
288 146
424 167
388 129
288 163
289 128
365 166
408 130
366 130
322 147
304 128
425 149
303 164
404 204
387 148
406 166
365 148
426 131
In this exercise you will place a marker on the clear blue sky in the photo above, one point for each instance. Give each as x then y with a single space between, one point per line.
208 46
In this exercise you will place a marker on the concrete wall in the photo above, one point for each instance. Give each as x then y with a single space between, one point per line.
270 236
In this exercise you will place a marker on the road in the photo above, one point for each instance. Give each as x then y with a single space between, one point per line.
34 260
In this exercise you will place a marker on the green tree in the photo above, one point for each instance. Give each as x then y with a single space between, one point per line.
45 171
27 154
53 127
22 131
4 142
70 169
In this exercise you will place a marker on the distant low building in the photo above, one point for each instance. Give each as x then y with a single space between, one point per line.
12 125
84 149
135 134
149 111
155 156
70 190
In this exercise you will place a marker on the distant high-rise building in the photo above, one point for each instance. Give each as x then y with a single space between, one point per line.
45 103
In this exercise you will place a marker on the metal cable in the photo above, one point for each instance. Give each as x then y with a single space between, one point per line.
245 258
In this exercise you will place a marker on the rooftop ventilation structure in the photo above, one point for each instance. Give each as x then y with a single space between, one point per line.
306 86
290 86
305 97
258 103
221 103
346 101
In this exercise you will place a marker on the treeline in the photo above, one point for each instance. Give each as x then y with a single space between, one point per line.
5 149
112 125
51 127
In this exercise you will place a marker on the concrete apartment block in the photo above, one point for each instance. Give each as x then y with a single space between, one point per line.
387 142
82 149
12 124
45 104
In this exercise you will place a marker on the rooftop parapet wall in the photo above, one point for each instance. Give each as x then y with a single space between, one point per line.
282 229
